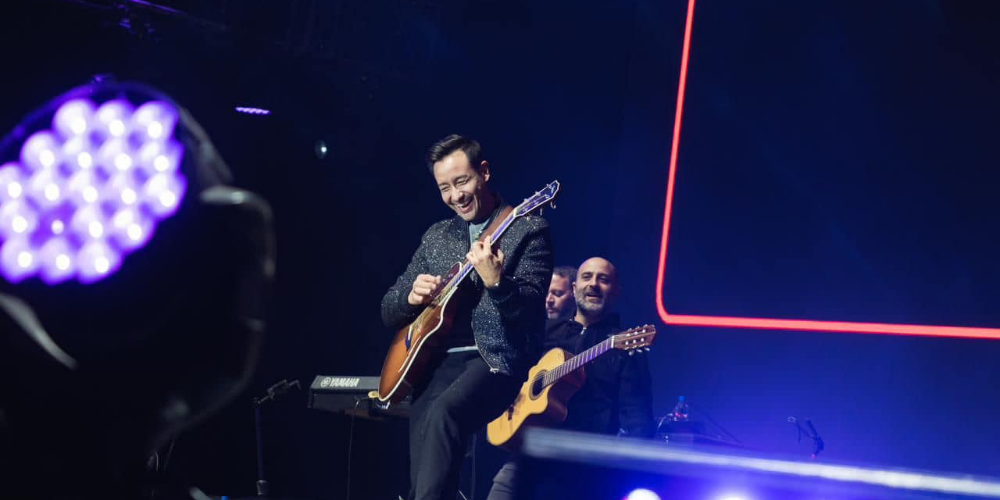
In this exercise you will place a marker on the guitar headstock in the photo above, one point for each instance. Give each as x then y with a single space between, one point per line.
640 337
545 195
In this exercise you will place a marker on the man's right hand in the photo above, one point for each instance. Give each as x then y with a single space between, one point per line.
423 286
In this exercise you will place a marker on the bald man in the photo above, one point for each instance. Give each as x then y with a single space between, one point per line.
617 396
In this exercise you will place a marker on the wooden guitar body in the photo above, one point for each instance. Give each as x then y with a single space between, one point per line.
534 404
551 382
411 349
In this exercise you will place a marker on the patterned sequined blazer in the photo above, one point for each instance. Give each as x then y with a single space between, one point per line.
508 321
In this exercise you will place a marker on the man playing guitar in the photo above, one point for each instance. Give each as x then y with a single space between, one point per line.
616 397
496 335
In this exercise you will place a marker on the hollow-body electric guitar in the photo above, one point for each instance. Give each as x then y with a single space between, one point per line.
412 347
552 381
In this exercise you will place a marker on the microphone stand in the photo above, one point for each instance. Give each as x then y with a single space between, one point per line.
811 433
273 393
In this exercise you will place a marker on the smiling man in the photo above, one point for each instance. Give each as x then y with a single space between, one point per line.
462 178
499 319
616 397
595 290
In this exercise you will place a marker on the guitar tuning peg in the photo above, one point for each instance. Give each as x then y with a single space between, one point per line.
647 349
552 204
630 353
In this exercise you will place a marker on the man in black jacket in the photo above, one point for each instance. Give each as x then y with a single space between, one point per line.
497 332
617 396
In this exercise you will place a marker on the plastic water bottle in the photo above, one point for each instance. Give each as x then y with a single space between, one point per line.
681 410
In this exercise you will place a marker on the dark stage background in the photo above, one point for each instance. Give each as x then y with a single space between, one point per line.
838 162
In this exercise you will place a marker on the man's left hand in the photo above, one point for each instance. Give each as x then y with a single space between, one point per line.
488 264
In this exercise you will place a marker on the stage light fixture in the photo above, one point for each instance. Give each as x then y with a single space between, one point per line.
107 167
134 292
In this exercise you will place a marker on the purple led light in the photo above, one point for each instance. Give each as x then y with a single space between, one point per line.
160 157
114 118
41 150
74 118
17 219
88 223
11 182
155 120
45 189
83 188
17 259
252 111
95 261
88 191
77 153
121 190
130 229
162 194
115 157
58 262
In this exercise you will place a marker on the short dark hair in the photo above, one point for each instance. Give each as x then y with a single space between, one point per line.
449 145
568 272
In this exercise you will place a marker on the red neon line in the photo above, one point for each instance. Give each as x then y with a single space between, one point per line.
834 326
763 323
681 86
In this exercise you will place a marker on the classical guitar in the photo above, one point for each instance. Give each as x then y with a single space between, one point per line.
413 345
551 382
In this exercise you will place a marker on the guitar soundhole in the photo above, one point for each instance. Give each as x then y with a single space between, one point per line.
536 385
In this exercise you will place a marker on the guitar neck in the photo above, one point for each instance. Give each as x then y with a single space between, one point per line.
452 281
467 267
574 363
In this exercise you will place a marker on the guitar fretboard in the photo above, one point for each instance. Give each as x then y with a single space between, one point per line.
467 267
552 376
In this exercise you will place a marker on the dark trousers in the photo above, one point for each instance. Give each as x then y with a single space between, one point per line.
505 482
460 397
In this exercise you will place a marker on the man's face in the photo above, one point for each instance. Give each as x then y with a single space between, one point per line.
558 303
463 188
596 287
